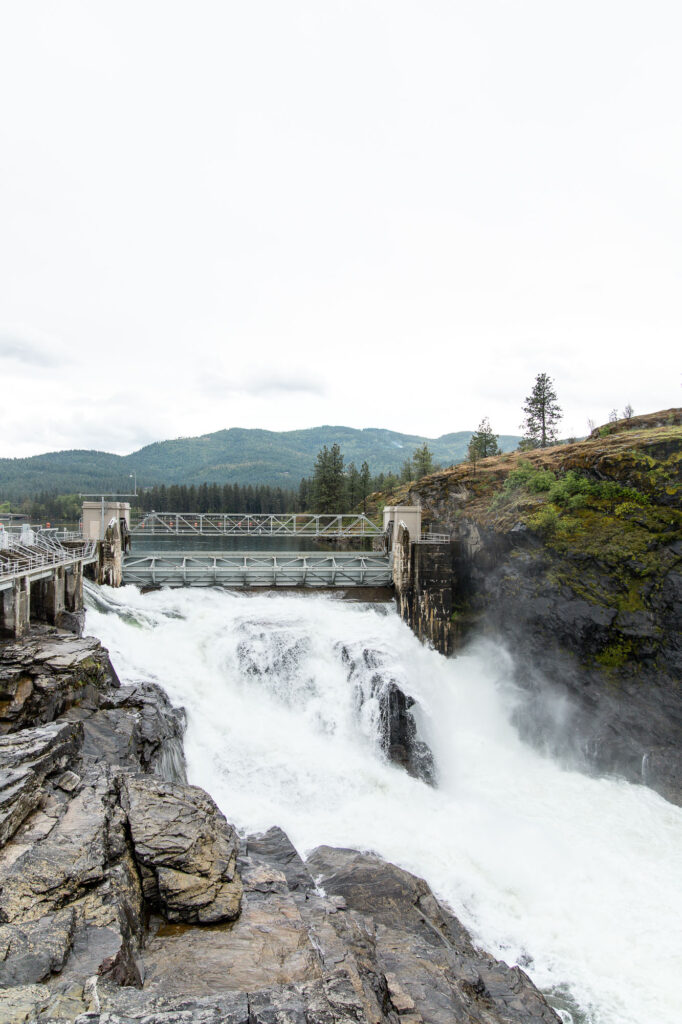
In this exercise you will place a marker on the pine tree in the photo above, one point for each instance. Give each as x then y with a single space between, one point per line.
423 461
542 412
328 480
483 442
407 471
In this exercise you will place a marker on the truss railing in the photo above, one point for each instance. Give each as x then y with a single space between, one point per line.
255 569
35 549
241 524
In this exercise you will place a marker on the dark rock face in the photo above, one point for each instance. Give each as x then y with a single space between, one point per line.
397 727
47 673
593 618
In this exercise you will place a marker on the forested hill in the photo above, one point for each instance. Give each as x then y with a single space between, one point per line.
227 456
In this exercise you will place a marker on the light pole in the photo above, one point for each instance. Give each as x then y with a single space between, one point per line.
133 477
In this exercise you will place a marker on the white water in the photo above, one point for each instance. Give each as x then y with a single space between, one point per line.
578 878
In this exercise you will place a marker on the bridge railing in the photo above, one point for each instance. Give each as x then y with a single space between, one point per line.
27 549
242 524
254 569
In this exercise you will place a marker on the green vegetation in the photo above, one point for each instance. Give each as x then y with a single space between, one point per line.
257 457
570 490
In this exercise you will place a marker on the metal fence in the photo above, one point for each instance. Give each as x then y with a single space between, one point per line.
241 524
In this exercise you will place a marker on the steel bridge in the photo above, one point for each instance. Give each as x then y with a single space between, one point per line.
241 524
174 566
259 569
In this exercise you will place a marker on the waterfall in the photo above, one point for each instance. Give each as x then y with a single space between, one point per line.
575 878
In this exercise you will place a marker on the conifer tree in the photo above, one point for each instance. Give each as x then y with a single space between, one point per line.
542 413
423 461
484 441
328 480
353 485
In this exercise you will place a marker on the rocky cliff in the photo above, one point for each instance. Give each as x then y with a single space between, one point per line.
571 555
126 896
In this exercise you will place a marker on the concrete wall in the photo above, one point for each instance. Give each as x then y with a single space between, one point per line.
422 578
98 514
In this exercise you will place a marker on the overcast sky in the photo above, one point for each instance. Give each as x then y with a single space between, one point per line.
372 213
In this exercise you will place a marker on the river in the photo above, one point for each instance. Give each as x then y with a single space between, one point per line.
576 878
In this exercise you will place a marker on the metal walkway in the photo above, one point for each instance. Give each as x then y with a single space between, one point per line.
240 524
35 553
256 569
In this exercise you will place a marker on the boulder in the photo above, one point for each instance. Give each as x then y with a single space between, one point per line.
186 850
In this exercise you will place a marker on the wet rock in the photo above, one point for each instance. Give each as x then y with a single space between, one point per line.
186 850
424 956
397 728
399 734
136 727
276 849
47 673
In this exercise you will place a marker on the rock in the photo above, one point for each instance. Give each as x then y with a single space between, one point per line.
399 734
397 727
135 727
23 1003
186 850
19 795
26 760
36 949
424 956
275 848
71 622
47 673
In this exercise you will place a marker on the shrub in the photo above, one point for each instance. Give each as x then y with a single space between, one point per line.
529 478
545 521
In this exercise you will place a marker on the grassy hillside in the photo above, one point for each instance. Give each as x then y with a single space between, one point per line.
226 456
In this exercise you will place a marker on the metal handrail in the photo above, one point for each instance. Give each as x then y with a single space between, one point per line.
259 524
48 551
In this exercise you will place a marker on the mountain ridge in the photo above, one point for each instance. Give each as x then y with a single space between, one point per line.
233 455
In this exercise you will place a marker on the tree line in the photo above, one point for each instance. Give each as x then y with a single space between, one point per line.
334 485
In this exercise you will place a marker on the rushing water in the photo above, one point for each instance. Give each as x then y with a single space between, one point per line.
578 879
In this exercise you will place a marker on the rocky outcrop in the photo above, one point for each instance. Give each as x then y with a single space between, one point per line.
125 896
397 728
581 580
342 937
47 673
185 851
